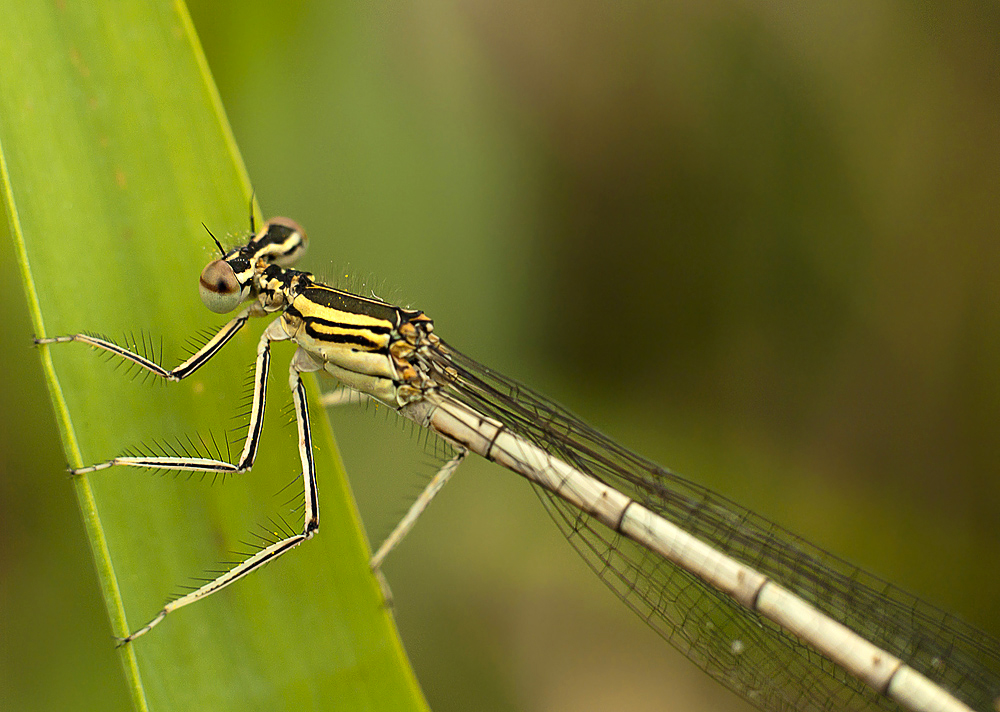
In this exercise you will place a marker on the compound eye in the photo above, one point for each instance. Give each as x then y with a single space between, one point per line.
219 289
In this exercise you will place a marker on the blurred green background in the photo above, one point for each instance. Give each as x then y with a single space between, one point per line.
757 244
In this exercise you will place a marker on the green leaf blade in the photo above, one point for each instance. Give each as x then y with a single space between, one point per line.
114 151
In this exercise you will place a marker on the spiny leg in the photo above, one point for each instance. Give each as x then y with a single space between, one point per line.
300 362
274 332
416 509
342 396
198 359
303 362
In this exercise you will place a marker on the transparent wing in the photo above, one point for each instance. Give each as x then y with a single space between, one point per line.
771 668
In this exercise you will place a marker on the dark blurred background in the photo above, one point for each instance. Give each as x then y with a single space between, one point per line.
757 243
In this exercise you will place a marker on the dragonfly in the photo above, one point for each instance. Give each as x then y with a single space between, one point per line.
779 621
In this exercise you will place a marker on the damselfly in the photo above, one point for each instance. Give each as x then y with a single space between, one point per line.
779 621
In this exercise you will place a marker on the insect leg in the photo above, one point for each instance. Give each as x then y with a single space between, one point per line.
342 396
301 362
274 332
198 359
417 508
